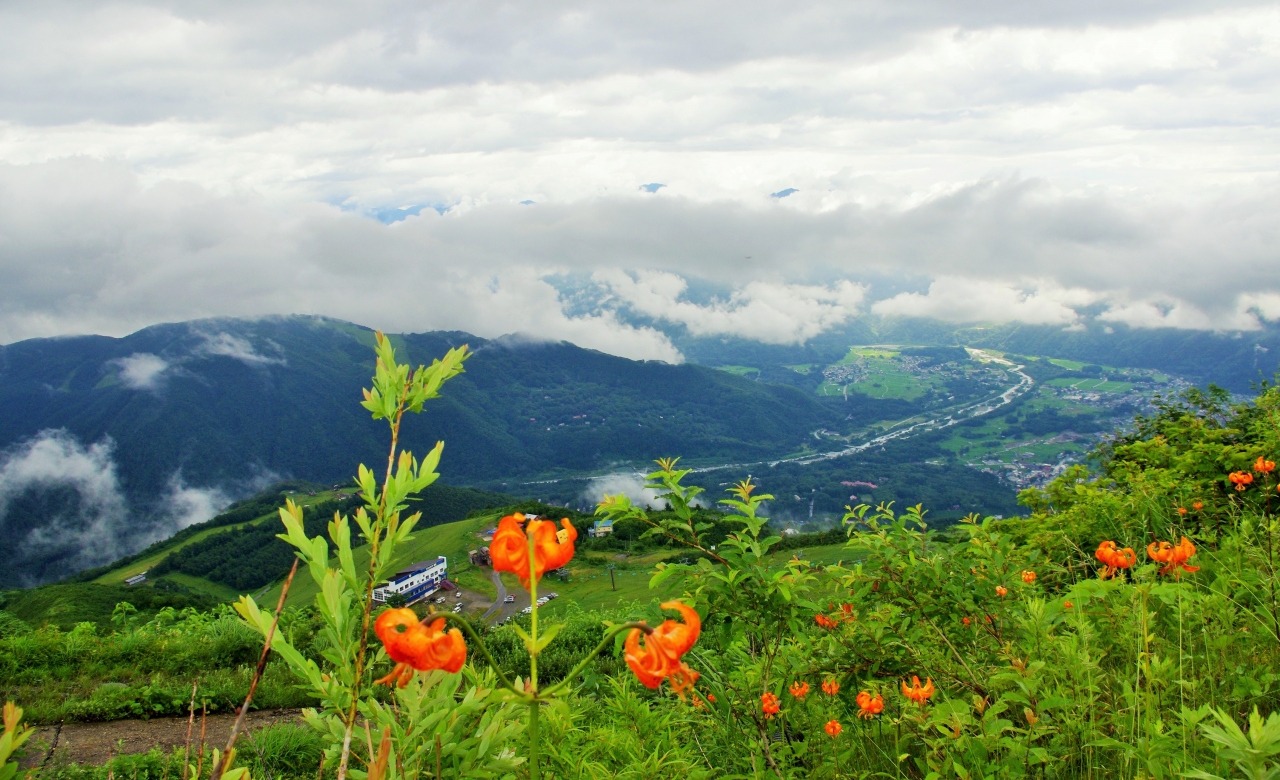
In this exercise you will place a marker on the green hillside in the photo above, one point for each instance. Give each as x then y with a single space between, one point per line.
229 400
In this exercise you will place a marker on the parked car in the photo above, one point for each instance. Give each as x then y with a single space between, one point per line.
440 600
552 596
509 599
457 608
527 610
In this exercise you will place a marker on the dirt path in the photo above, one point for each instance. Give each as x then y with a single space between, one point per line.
94 743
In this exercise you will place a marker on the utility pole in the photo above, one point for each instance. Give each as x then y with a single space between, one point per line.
612 580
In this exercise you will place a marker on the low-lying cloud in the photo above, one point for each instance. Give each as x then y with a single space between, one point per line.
629 484
141 370
770 313
99 525
236 348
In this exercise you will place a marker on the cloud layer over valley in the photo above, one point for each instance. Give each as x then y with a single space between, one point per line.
62 502
725 170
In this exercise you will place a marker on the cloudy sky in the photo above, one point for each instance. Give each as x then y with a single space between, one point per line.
760 169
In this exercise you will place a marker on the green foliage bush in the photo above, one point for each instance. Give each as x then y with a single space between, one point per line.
142 670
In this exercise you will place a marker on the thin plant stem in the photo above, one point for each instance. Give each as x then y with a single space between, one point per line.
204 710
438 775
191 722
534 770
227 754
378 524
600 648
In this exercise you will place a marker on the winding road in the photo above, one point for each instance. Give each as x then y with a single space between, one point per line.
942 418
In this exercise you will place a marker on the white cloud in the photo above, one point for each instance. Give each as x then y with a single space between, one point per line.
89 533
234 347
971 300
168 163
100 525
771 313
631 485
182 505
1265 305
141 370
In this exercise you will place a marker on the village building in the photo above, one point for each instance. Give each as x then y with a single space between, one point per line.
415 582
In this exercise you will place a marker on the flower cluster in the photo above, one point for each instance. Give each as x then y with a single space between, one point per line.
869 706
552 547
661 655
916 692
845 613
1114 560
413 645
769 704
1174 557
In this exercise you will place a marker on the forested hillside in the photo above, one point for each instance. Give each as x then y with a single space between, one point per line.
228 403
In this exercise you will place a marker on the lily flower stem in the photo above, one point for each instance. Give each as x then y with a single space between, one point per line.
479 644
534 771
600 648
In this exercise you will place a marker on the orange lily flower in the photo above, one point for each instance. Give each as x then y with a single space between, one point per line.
660 657
831 687
1264 466
869 706
965 620
413 645
1174 557
1067 605
769 705
1028 577
1197 505
799 689
1240 479
833 728
1113 560
917 693
824 621
1002 591
847 609
1182 510
552 548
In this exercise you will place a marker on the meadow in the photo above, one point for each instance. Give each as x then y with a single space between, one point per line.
1127 626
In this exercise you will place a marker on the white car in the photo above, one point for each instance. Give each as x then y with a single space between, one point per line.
509 599
457 608
440 600
526 610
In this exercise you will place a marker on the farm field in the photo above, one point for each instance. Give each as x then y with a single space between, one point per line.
878 373
1097 385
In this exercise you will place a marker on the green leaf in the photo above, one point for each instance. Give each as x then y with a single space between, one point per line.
549 635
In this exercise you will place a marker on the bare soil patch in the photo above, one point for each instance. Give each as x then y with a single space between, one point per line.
93 744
